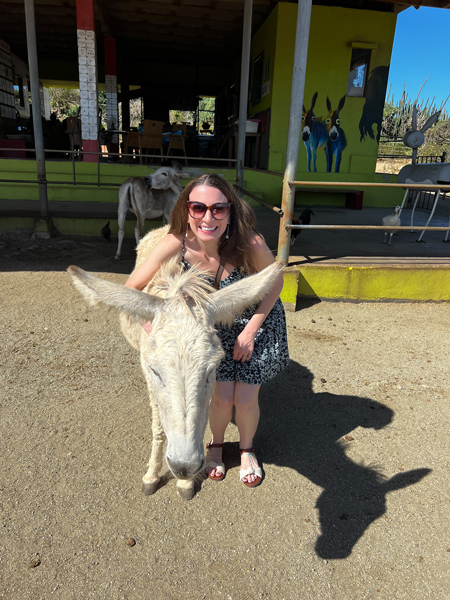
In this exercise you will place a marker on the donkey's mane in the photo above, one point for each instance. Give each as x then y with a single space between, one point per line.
172 280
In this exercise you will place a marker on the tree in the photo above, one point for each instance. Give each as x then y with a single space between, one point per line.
64 101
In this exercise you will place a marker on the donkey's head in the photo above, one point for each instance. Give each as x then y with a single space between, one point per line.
308 119
165 178
333 121
181 355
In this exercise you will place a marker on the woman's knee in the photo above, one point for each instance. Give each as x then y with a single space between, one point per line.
223 396
246 398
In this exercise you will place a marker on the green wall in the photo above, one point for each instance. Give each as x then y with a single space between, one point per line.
62 171
333 30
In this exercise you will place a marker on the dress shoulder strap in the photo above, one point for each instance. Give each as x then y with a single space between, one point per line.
218 277
183 246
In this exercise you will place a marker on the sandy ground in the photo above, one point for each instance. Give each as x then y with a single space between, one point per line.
353 439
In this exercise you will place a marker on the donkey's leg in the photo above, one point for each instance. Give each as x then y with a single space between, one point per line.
308 155
337 163
314 155
329 155
137 233
121 220
185 488
151 479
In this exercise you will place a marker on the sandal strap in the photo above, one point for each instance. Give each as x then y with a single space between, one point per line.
209 445
250 471
242 450
212 464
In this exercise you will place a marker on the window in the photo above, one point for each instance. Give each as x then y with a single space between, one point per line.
21 97
359 67
20 92
206 115
257 79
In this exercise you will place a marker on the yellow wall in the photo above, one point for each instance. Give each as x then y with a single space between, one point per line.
333 29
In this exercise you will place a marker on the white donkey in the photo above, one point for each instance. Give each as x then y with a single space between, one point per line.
180 356
148 197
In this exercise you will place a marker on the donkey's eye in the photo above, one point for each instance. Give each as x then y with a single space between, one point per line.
209 377
338 121
328 120
156 374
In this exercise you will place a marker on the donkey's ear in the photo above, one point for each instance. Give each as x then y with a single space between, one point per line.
139 305
341 103
314 98
431 121
234 299
328 104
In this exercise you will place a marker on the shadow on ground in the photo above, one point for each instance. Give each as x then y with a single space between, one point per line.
19 252
306 431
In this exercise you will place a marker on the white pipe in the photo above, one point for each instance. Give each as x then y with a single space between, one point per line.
295 123
243 92
36 106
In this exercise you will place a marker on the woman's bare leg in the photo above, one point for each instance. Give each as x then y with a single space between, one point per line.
247 419
220 414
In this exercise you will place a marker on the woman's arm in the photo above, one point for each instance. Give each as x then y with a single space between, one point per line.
263 257
168 247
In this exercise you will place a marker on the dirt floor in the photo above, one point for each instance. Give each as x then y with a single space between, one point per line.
353 439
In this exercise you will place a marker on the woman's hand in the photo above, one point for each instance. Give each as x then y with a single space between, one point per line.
244 345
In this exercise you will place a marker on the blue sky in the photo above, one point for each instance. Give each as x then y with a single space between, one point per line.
421 48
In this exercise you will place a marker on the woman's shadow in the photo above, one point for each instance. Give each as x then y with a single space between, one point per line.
303 430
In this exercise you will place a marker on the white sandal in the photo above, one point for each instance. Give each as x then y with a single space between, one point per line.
252 470
212 464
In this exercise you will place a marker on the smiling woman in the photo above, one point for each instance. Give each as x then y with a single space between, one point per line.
213 230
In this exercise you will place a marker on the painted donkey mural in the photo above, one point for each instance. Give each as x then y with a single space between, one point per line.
337 140
314 134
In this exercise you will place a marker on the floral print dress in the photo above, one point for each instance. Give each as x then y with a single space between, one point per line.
270 354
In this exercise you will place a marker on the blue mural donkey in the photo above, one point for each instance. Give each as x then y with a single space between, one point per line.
337 140
314 134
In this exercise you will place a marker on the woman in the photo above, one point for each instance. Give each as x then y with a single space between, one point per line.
211 227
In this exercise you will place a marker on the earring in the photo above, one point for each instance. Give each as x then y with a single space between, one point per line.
227 235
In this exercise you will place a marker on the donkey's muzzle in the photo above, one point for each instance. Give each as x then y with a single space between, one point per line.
182 470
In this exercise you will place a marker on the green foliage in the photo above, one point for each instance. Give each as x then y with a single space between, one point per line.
182 116
204 116
65 102
206 113
397 120
437 140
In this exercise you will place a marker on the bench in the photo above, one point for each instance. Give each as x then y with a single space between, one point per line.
353 198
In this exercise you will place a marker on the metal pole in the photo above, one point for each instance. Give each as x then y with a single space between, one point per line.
36 107
243 92
295 122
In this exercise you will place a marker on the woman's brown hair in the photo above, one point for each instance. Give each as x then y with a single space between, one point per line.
237 249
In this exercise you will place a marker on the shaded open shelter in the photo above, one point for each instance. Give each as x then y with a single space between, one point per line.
299 92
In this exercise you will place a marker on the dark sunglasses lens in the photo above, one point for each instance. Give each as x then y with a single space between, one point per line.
197 210
220 211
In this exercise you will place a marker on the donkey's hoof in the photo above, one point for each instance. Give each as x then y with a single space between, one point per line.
187 493
117 257
150 488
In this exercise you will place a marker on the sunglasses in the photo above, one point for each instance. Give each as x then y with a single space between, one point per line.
219 211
